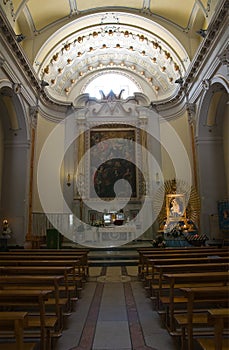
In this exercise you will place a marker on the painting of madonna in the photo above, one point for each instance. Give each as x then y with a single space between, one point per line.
175 206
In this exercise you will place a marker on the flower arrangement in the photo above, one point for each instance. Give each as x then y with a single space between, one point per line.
159 242
97 223
180 228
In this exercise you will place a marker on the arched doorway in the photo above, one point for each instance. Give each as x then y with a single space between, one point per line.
212 155
13 164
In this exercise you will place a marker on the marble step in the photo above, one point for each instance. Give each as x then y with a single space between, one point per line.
114 258
116 262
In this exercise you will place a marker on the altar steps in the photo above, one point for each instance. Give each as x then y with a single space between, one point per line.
112 261
113 257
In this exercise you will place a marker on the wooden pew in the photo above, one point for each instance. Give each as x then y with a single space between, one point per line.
39 282
153 253
201 295
177 280
158 285
25 258
170 260
45 259
79 254
72 279
220 320
180 261
193 255
44 270
31 298
79 270
16 321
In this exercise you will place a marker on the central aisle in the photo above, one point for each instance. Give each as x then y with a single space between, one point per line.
114 313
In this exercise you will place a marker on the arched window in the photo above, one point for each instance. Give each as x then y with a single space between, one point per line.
112 81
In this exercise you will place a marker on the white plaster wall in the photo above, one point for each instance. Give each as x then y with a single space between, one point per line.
43 131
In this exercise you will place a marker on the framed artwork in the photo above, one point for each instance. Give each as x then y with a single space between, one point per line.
116 155
223 213
175 206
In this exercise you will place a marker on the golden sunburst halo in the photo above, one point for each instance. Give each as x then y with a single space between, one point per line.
192 200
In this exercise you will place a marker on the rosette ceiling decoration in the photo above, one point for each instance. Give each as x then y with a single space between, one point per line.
69 42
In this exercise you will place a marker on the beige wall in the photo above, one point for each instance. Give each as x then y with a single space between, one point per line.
43 131
182 130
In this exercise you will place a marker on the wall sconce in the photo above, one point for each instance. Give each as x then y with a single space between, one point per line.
157 179
68 183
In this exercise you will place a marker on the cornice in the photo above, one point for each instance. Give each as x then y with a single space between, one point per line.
208 140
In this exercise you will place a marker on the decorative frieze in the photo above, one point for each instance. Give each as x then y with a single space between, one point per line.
2 61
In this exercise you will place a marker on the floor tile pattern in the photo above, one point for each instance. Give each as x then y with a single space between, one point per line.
114 313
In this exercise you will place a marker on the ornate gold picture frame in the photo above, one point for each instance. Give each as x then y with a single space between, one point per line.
175 207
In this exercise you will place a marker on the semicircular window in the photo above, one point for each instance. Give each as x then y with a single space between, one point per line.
112 81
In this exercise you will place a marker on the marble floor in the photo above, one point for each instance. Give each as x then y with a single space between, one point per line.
114 313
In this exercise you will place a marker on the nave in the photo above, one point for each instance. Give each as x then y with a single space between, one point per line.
175 299
114 313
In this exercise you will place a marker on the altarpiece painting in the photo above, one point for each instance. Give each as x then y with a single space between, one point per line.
116 155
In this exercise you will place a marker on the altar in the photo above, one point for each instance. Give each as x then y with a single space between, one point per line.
110 236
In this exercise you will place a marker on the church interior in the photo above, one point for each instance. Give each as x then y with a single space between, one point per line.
114 175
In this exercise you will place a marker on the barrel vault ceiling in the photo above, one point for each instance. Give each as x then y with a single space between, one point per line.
68 42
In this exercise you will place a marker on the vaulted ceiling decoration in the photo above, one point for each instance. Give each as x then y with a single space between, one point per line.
68 42
112 47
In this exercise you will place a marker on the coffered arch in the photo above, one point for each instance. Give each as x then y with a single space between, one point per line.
130 49
70 40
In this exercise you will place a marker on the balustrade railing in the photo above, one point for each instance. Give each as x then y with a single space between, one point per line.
41 222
